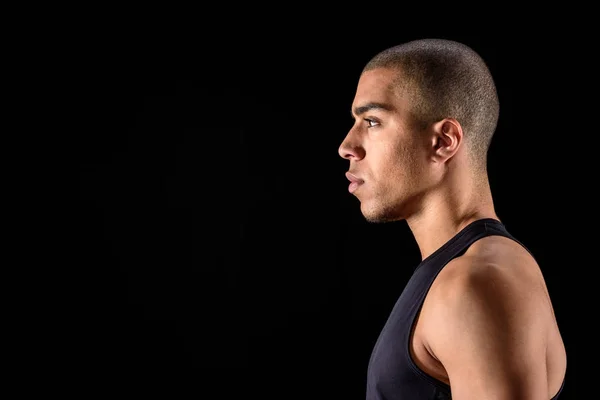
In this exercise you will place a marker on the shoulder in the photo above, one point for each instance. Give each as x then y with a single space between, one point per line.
496 276
493 297
494 268
487 319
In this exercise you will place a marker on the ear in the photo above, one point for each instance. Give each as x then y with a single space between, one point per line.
446 140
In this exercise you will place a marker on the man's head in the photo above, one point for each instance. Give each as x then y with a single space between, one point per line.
421 109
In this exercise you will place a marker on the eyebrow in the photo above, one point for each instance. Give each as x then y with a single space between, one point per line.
371 106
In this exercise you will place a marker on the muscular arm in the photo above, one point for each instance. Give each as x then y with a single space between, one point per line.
487 329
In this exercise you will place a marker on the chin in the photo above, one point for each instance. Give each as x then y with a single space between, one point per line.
379 213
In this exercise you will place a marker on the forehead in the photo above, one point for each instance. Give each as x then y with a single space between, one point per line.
376 85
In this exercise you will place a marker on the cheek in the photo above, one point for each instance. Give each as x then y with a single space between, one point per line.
400 170
398 161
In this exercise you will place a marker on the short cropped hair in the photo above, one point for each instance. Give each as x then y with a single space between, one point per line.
446 78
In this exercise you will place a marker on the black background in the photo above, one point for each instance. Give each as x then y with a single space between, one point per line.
220 253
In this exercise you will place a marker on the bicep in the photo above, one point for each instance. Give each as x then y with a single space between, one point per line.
490 339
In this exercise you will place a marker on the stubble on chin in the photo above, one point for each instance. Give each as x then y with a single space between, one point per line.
379 213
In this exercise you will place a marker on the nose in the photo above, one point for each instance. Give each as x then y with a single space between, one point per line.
350 148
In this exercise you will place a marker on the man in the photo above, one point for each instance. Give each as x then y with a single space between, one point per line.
475 320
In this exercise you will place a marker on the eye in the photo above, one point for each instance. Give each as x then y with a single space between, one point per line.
371 123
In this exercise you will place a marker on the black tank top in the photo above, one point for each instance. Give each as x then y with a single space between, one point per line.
392 373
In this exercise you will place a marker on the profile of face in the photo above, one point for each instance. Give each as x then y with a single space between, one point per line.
389 154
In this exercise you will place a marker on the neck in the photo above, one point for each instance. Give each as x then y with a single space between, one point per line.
447 211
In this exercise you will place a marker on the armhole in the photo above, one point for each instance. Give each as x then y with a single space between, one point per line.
442 386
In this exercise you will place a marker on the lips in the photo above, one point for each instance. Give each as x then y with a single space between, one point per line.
355 182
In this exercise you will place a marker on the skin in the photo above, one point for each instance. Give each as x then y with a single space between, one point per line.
487 326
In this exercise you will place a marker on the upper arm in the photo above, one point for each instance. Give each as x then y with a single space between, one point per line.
489 335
